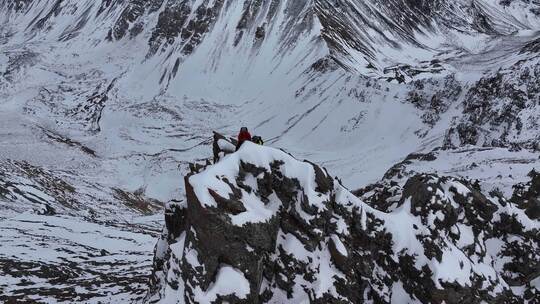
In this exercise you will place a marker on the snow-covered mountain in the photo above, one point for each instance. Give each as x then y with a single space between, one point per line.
104 103
203 65
262 227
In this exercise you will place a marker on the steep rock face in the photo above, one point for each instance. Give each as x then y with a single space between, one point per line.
286 231
129 18
18 5
181 20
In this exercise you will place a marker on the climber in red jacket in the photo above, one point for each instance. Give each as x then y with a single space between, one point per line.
242 137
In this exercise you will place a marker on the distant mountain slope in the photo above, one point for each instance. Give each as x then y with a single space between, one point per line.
267 54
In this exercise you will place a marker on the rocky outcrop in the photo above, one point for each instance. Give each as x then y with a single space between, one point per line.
527 195
222 146
533 46
500 110
428 96
130 18
18 5
287 232
180 19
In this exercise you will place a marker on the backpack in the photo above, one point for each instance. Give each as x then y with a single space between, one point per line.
258 140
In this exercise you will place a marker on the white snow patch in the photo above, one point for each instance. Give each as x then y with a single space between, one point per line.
229 281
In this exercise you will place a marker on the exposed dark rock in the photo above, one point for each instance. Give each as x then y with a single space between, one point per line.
260 33
47 210
338 258
18 5
175 219
229 205
130 15
92 108
62 139
325 183
174 22
527 196
40 23
532 47
427 96
136 200
324 65
44 181
218 150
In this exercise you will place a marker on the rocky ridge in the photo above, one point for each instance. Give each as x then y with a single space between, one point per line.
289 232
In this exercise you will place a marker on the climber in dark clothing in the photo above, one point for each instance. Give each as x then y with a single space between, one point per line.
258 140
242 137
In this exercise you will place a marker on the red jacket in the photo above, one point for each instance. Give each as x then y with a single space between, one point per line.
242 137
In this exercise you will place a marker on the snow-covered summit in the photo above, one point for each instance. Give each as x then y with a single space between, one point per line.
287 232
